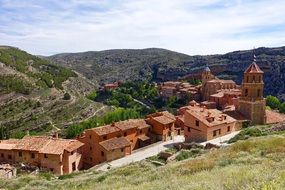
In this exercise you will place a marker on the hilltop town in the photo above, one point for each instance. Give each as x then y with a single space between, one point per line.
217 108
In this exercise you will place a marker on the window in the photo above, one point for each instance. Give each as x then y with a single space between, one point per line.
72 153
90 159
245 92
125 133
216 132
45 155
90 136
51 169
20 154
122 149
33 155
149 129
258 92
188 129
102 153
229 128
259 79
10 157
132 141
140 131
197 123
90 148
253 78
2 155
105 137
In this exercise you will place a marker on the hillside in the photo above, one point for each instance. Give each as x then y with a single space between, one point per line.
160 65
32 95
257 163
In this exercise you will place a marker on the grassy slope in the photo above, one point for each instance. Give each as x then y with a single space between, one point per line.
257 163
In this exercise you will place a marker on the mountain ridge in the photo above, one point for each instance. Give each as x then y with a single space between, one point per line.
156 64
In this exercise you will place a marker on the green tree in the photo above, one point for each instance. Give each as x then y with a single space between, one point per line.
282 107
92 96
273 102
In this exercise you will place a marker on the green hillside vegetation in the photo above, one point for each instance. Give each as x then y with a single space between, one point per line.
10 83
257 163
46 74
47 97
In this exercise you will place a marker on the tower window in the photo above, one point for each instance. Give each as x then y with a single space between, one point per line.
259 79
253 78
258 92
247 79
245 92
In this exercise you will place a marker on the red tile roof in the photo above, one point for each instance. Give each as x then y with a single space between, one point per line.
106 129
45 144
58 146
29 143
202 114
163 120
253 68
115 143
131 123
274 117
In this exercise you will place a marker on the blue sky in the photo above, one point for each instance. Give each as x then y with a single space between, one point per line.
193 27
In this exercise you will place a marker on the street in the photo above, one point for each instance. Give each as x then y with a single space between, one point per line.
154 149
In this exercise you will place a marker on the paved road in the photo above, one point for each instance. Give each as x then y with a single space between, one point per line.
221 140
154 149
140 154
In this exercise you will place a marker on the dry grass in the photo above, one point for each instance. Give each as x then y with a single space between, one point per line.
252 164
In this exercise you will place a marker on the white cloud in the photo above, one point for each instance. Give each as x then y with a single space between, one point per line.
188 26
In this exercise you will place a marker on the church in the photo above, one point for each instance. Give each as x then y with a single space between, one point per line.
246 99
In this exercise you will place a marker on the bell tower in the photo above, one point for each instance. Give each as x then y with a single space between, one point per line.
206 76
251 103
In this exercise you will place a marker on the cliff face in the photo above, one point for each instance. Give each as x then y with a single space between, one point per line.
160 65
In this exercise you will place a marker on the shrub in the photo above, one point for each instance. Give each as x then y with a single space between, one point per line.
66 96
184 154
273 102
246 133
92 95
282 108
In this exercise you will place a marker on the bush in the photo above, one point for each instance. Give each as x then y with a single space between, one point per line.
247 133
92 96
282 108
66 96
185 154
273 102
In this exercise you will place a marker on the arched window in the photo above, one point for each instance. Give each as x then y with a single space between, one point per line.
245 92
253 78
247 79
259 79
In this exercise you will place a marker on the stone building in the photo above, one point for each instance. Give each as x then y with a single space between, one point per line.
201 124
60 156
113 141
179 89
163 125
251 102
